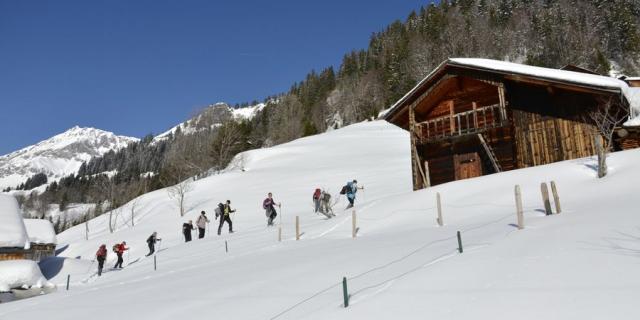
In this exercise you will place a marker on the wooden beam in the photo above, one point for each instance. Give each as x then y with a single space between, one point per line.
452 122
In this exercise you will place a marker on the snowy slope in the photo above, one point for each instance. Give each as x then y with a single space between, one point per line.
580 264
59 155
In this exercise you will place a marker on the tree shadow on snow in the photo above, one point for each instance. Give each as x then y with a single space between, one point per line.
623 243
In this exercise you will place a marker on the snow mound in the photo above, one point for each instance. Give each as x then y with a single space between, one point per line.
21 274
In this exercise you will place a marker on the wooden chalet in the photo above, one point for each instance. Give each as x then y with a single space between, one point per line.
472 117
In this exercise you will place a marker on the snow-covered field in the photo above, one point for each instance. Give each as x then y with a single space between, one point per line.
580 264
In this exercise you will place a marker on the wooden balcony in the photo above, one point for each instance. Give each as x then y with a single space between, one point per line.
469 122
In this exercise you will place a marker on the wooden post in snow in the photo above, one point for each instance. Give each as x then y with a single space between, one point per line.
519 208
427 182
353 224
297 227
545 198
556 198
279 233
439 205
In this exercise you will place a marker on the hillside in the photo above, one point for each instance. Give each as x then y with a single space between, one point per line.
579 264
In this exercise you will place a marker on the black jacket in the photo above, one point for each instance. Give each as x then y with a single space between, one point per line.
187 227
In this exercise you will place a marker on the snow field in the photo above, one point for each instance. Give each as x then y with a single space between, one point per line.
579 264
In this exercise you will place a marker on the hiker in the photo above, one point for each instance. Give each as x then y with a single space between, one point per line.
316 200
350 190
268 204
186 230
225 217
202 224
325 204
119 249
101 256
151 241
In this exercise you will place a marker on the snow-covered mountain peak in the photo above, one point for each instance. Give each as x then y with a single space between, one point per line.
59 155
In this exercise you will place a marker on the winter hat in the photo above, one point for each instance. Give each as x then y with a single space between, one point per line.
202 212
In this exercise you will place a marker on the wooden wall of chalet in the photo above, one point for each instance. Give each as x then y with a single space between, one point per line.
38 252
12 254
543 140
440 155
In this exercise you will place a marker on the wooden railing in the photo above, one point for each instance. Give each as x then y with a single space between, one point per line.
463 123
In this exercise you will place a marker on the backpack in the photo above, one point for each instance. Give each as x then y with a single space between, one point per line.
116 247
316 194
219 210
345 189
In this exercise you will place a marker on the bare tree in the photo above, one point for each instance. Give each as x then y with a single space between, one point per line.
134 205
606 119
175 173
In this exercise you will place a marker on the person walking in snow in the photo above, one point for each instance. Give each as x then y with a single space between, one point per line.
351 189
151 241
268 205
226 217
202 224
325 205
186 230
316 199
120 249
101 256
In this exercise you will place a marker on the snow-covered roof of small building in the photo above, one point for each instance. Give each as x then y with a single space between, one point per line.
553 75
40 231
13 233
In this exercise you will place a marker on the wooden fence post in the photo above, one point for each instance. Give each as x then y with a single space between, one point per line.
439 205
545 198
279 233
353 224
68 279
556 198
426 175
519 208
345 292
297 227
226 247
459 242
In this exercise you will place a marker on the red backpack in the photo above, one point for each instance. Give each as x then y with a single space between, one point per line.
316 194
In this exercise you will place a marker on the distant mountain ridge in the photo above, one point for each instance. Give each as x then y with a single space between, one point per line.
59 155
211 116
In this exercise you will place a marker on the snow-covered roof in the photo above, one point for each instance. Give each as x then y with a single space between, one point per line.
13 233
553 75
40 231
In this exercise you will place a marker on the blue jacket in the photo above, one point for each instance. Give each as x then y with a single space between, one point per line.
352 189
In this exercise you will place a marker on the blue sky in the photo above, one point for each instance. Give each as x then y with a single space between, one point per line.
138 67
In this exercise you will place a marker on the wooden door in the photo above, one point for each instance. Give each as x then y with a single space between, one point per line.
467 165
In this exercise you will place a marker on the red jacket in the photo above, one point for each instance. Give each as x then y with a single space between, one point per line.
316 194
102 252
121 248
